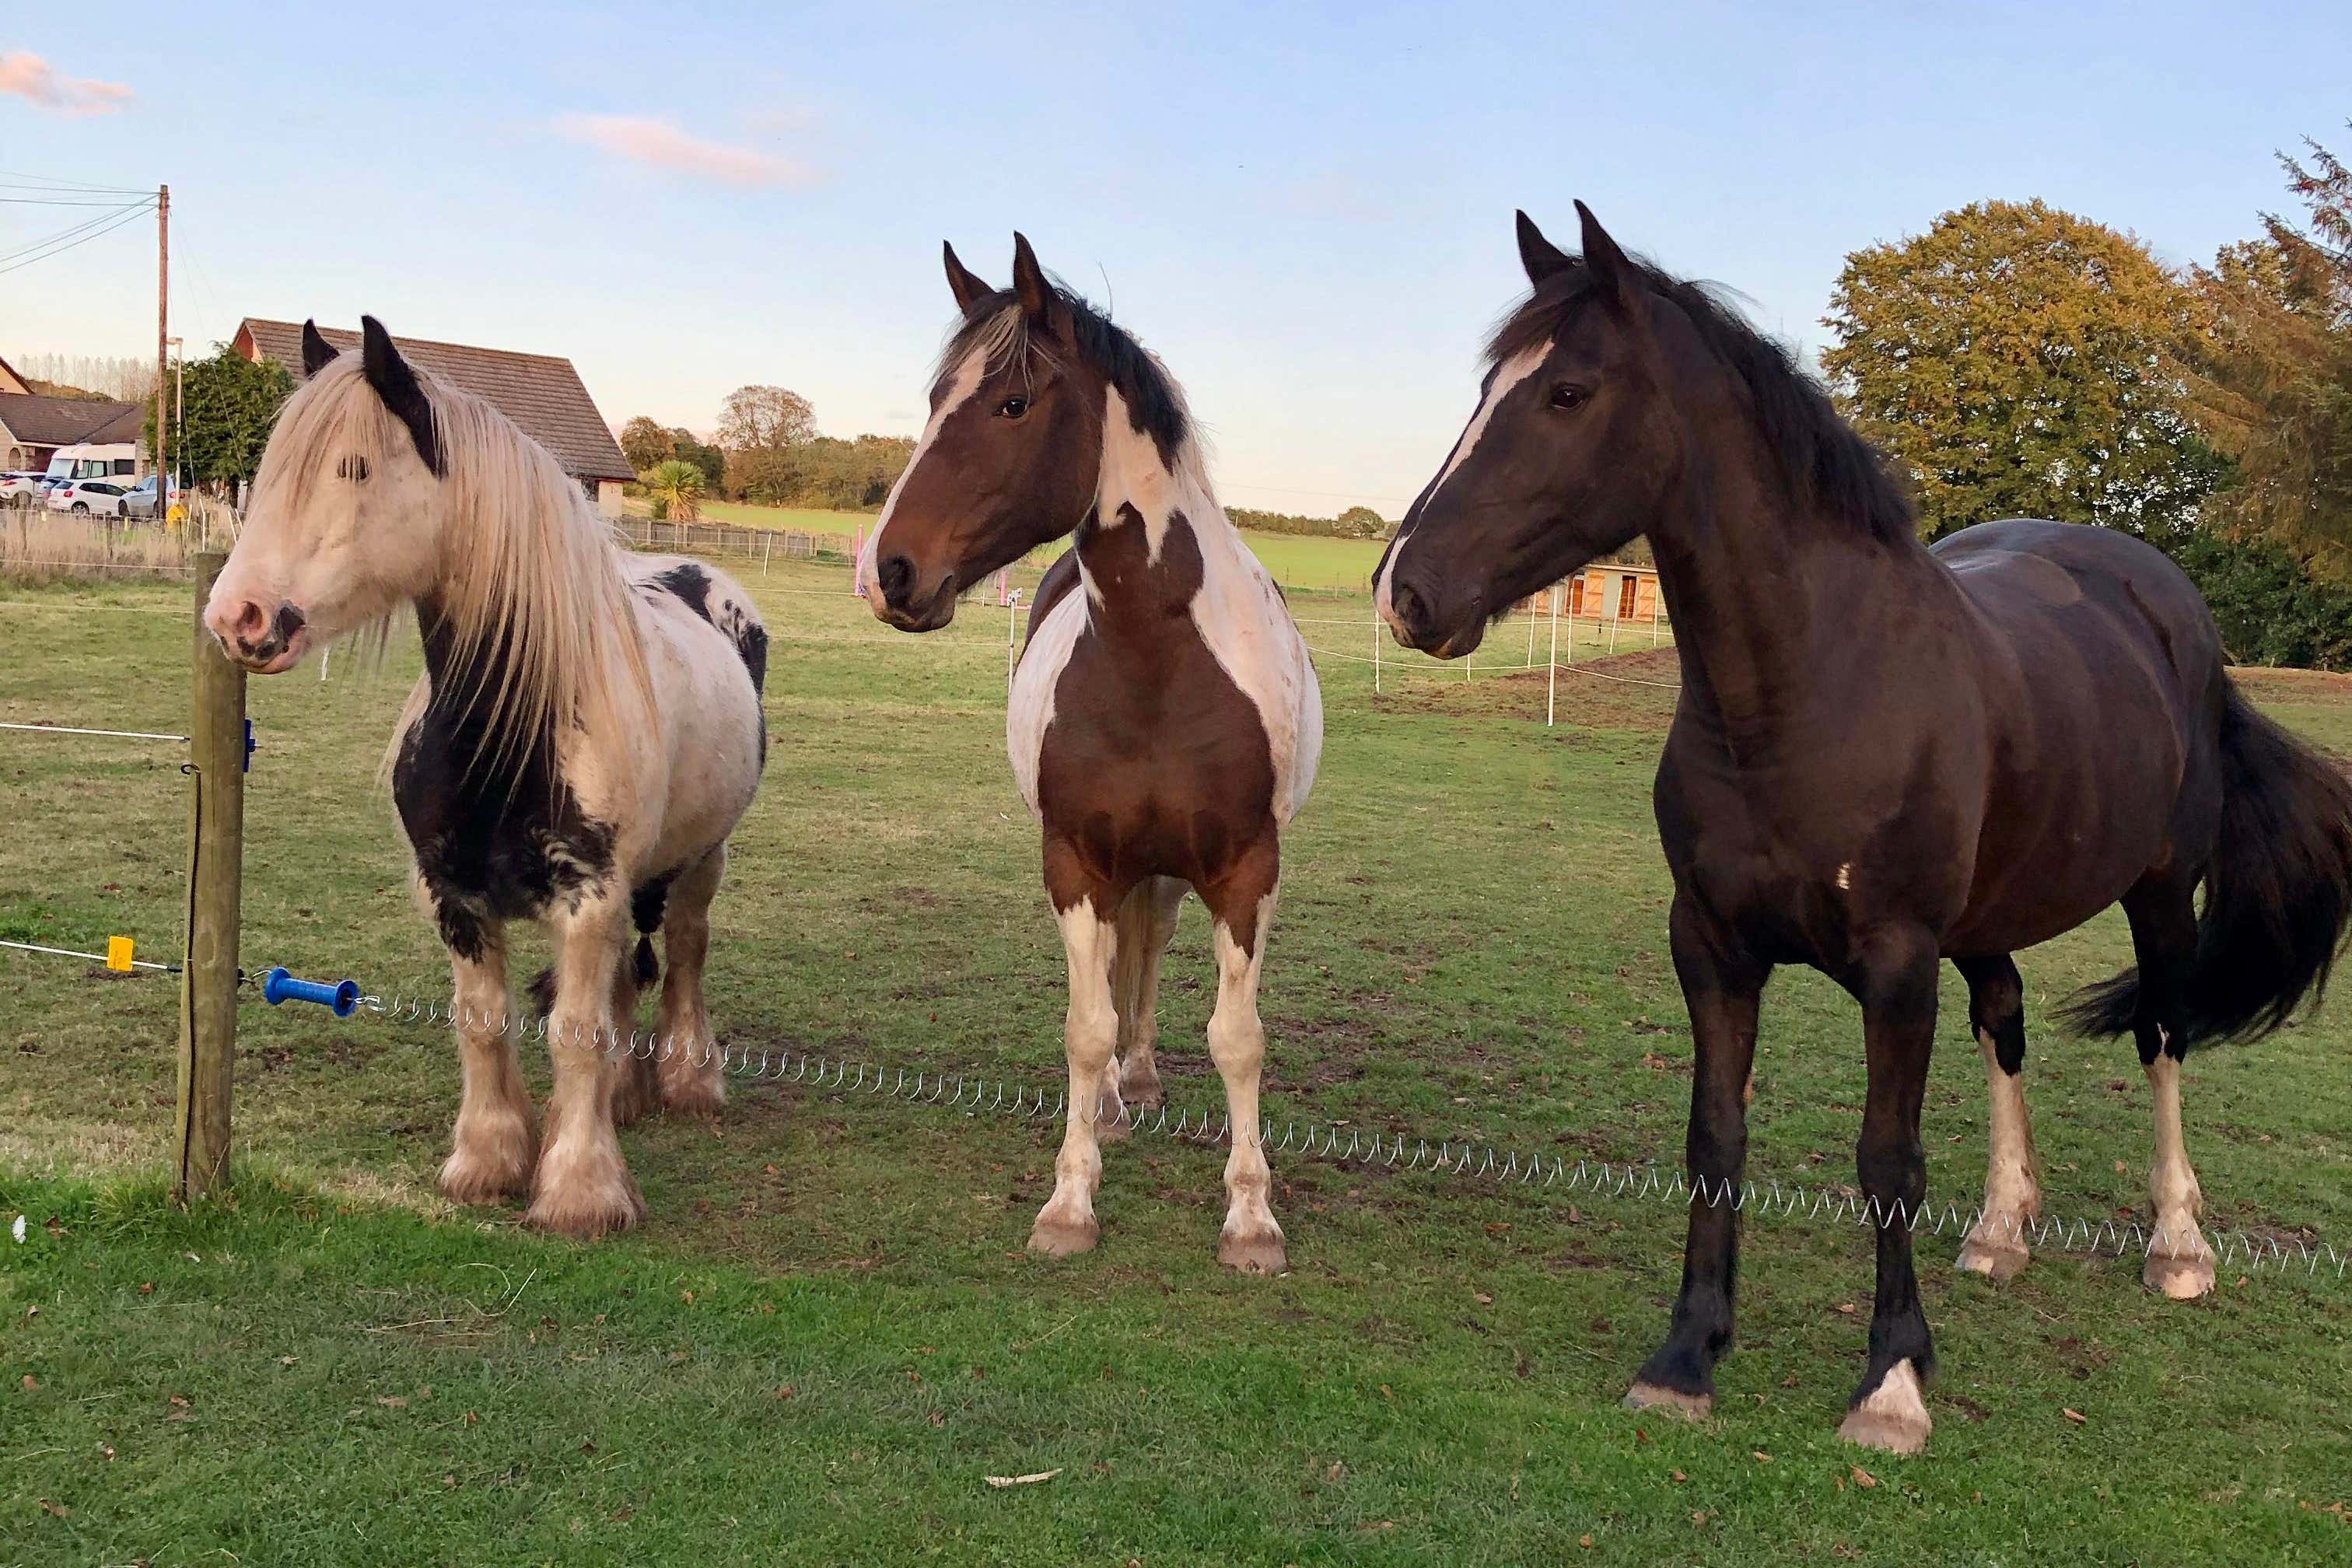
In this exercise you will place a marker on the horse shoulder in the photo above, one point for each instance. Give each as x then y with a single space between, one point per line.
1247 625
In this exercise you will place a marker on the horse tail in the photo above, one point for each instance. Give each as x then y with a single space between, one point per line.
645 970
2278 892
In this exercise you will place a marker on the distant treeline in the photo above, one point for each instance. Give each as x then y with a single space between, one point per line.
1356 522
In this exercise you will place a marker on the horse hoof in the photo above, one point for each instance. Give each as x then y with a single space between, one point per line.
1894 1419
1263 1253
1055 1236
585 1210
1998 1261
1669 1400
470 1181
2180 1279
1112 1123
707 1100
1141 1093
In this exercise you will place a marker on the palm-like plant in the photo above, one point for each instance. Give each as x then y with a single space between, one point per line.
677 489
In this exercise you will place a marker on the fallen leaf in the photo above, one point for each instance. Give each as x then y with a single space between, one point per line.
1585 1542
55 1509
2076 1416
1027 1481
31 1382
1484 1300
1761 1457
939 1418
785 1392
1680 1478
392 1402
1862 1478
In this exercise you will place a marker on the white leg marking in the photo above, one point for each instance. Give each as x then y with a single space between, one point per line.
584 1187
2180 1263
1089 1035
1893 1417
1251 1240
1996 1245
497 1141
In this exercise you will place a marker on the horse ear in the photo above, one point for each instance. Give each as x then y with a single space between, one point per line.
318 353
1539 256
962 281
1029 285
1611 271
397 384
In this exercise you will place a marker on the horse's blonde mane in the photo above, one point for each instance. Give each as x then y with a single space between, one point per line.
528 580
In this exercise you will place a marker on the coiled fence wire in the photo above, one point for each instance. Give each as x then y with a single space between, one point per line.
1467 1159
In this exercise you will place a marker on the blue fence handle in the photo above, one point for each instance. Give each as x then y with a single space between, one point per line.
280 986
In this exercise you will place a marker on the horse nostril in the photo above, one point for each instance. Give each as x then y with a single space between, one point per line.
1411 612
897 576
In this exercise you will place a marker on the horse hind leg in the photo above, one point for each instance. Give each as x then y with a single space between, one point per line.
1996 1245
2163 916
1147 924
688 1057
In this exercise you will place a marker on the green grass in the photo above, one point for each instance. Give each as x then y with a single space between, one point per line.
333 1367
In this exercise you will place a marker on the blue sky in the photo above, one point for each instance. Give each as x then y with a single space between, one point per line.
1305 209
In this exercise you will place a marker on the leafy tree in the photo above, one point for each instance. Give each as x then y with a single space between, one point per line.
676 487
2016 360
645 445
229 402
2273 363
764 418
708 458
1360 522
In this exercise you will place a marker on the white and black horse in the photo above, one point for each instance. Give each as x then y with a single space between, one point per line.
1165 721
585 735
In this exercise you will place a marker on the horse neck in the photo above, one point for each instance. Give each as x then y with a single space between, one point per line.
1762 585
1141 501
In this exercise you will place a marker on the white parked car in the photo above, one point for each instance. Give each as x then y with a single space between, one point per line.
138 500
87 498
19 487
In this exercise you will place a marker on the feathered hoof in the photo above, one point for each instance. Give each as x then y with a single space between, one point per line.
1141 1091
1669 1400
705 1100
1997 1259
489 1166
1112 1123
1893 1418
1062 1236
2180 1278
1256 1252
588 1215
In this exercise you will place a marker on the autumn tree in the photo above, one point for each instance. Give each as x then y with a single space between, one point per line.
2272 358
764 418
2015 360
645 445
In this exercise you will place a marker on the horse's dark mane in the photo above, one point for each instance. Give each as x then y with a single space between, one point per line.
1154 402
1819 453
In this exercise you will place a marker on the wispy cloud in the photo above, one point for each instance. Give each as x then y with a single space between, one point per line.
25 75
644 139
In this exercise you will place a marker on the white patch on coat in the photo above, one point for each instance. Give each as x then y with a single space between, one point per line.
2013 1199
2172 1191
1508 374
1239 611
1845 876
1030 711
960 387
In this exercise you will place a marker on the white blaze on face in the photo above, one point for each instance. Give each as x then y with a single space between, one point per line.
960 387
1508 374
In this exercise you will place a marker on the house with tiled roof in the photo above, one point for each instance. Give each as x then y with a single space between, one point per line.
33 426
541 394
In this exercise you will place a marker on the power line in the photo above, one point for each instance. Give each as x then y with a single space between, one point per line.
81 233
10 179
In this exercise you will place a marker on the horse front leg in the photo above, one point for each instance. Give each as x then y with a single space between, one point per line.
1895 983
496 1142
1243 909
584 1187
1089 1036
1722 987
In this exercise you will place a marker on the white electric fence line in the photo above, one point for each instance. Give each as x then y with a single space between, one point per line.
115 734
93 957
1598 1178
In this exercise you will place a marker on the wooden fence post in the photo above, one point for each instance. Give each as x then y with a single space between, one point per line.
208 975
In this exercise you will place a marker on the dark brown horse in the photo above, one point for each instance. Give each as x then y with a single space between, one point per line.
1164 720
1884 755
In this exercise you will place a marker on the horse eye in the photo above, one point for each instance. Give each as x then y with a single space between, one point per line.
353 468
1013 408
1569 395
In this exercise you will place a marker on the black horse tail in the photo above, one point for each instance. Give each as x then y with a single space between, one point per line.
2278 893
646 971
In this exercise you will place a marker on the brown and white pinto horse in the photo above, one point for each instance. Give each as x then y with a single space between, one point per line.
1164 720
585 735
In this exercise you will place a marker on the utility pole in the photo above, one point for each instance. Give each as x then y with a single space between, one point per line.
163 338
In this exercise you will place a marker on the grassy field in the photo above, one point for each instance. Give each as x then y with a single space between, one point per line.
827 1334
1297 560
